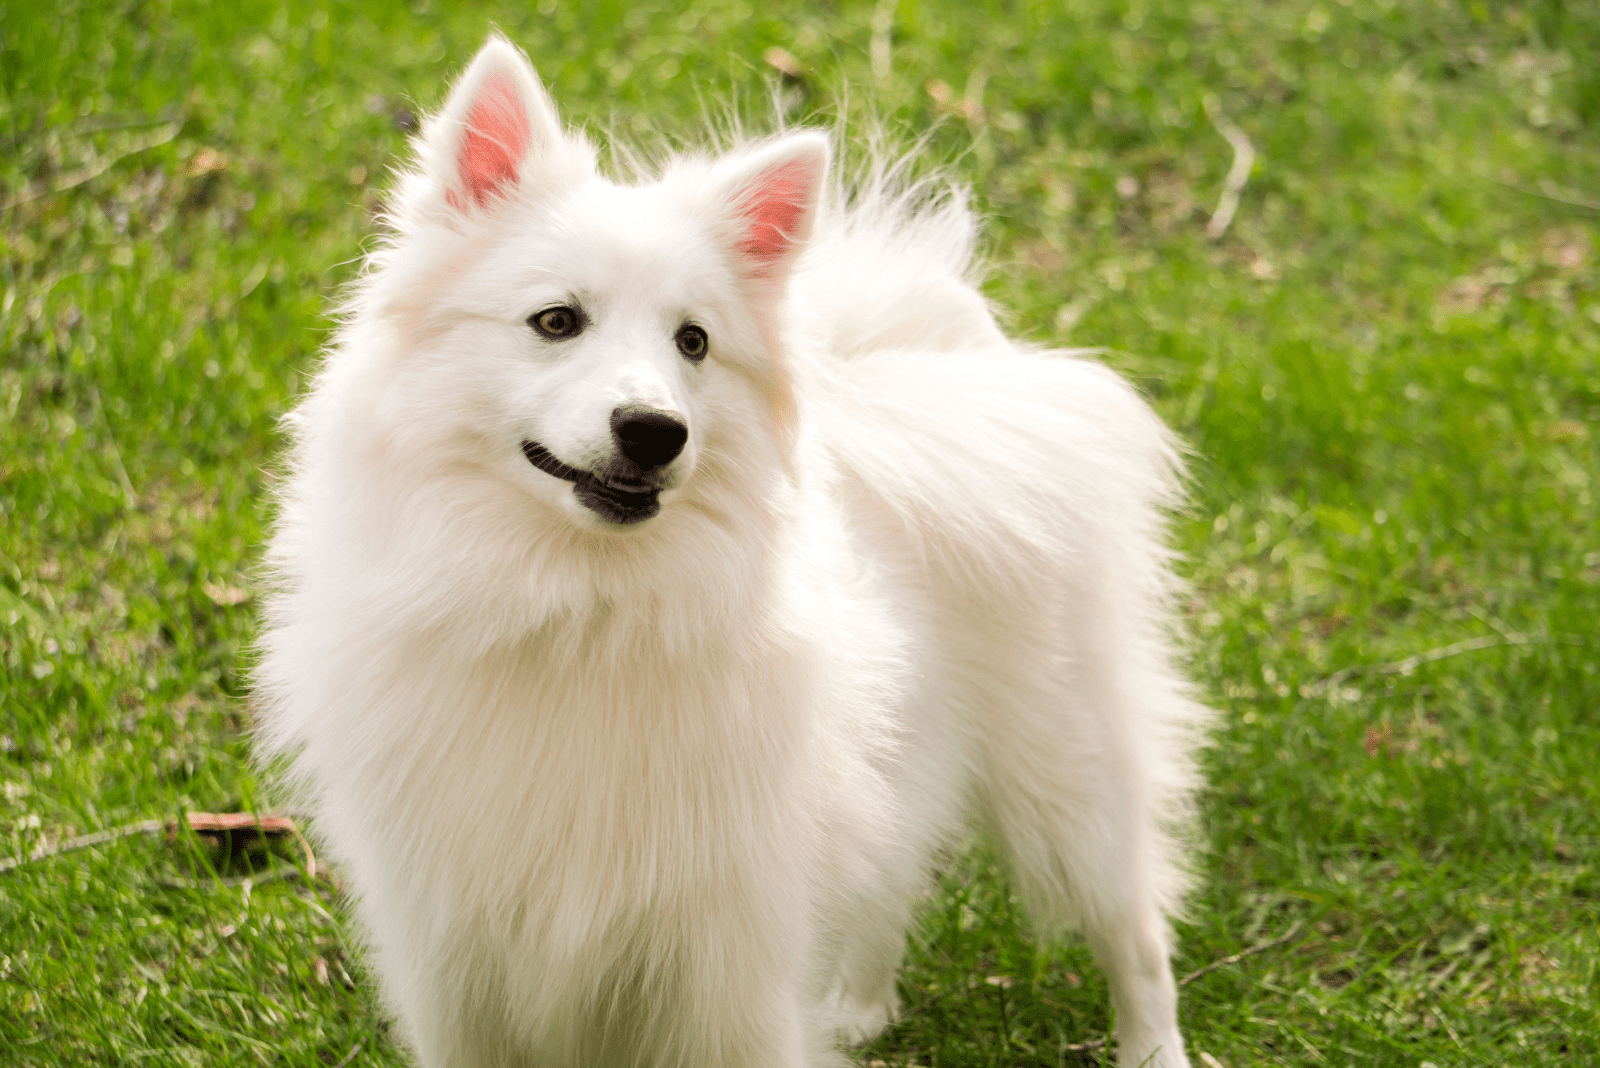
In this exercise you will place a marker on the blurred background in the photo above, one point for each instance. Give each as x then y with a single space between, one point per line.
1347 247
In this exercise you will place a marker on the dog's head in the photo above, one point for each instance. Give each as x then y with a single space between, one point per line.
593 342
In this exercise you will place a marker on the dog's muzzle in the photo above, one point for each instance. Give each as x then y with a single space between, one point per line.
628 490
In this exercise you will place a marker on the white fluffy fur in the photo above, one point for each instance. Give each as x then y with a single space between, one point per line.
666 794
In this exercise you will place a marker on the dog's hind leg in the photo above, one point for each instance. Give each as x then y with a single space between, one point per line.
1071 783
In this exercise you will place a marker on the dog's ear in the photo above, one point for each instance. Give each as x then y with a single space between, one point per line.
496 126
770 199
767 201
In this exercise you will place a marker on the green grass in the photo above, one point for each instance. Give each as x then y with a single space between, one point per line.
1389 367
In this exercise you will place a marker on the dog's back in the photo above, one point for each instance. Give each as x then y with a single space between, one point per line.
1018 497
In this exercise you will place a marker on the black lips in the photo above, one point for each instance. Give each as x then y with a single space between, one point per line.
622 497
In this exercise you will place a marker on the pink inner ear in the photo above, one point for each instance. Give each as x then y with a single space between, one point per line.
495 141
772 212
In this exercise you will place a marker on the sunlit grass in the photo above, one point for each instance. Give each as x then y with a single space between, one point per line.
1388 366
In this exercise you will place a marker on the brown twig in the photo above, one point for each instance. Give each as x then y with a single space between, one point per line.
1411 663
1098 1043
93 170
116 450
84 841
246 822
208 823
1548 190
1244 160
1235 958
348 1057
96 124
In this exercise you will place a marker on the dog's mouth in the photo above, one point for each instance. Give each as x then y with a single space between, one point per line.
622 496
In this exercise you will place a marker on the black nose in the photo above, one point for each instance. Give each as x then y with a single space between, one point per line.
648 436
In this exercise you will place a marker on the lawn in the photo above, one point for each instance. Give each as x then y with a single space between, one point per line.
1387 363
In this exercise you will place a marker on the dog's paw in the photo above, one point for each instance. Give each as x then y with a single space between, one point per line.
1166 1052
861 1024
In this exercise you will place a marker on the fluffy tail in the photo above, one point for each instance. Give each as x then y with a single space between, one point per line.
889 267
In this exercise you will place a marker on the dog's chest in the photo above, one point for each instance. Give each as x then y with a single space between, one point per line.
574 771
548 817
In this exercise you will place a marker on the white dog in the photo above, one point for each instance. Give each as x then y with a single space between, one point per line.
669 570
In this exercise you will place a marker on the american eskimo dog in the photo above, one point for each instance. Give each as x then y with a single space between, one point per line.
669 569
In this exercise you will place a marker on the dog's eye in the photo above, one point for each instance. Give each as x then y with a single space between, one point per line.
692 343
557 323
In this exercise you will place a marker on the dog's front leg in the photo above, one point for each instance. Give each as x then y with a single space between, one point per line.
744 1028
744 1006
731 992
